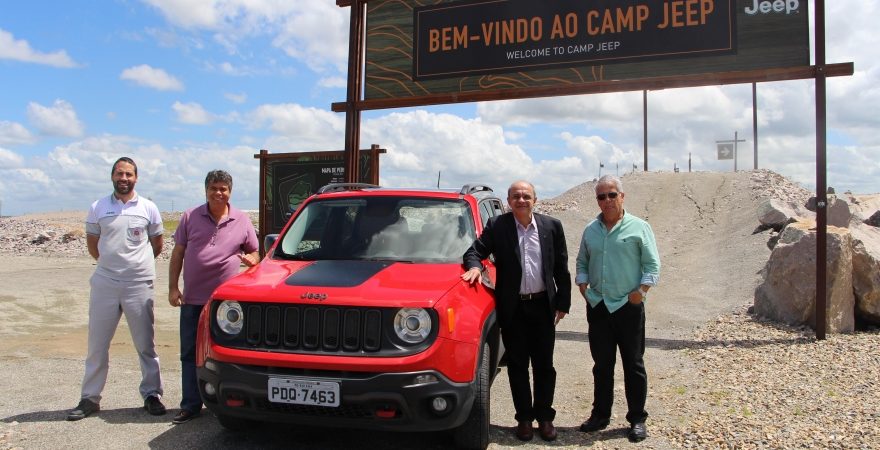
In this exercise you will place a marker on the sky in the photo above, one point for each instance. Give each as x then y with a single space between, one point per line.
187 86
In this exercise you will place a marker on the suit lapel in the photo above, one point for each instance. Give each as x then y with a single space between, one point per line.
546 240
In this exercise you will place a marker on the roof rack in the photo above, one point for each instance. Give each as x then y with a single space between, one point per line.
471 188
338 187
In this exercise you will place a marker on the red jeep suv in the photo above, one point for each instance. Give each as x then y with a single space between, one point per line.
358 318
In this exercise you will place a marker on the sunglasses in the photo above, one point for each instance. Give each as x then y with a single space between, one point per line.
602 197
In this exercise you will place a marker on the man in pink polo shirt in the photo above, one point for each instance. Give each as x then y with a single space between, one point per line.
212 241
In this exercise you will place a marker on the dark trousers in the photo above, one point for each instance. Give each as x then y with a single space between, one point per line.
189 322
624 329
530 337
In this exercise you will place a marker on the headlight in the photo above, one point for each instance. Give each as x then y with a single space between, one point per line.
230 317
412 325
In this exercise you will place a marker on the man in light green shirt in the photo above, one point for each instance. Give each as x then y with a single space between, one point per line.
617 264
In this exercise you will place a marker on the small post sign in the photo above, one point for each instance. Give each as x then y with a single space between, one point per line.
725 151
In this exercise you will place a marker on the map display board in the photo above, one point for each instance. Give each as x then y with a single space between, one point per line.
289 178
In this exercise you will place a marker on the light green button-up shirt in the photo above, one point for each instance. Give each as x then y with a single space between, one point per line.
616 262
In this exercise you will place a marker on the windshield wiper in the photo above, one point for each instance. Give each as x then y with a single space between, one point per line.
289 257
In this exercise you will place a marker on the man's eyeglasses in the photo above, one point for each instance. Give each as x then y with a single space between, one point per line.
602 197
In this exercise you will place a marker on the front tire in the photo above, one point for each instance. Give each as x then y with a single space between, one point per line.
474 432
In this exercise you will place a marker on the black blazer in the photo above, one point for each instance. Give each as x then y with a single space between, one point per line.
499 239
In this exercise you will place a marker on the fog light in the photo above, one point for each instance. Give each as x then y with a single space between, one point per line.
210 389
424 379
439 404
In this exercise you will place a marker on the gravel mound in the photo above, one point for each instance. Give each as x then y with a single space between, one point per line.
62 234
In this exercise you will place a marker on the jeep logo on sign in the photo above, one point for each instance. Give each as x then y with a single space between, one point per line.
777 6
313 296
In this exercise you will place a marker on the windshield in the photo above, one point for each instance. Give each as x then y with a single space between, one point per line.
385 228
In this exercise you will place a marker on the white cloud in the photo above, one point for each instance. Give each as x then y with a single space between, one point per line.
316 35
312 31
298 128
57 120
20 50
193 13
151 77
192 113
9 159
227 68
333 82
170 38
420 144
72 176
237 98
12 133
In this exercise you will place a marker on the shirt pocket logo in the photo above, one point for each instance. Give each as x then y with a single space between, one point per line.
136 234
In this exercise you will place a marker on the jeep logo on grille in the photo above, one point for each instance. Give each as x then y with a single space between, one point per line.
313 296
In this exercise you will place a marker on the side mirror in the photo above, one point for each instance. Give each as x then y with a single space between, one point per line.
269 241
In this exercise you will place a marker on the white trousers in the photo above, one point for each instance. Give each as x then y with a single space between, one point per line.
108 300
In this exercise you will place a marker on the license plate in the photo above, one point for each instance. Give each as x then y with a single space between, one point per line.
299 391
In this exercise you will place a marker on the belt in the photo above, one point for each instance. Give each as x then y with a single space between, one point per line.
534 296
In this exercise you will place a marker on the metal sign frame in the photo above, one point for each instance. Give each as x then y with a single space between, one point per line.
820 71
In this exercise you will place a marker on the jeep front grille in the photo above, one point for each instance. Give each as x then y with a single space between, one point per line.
318 329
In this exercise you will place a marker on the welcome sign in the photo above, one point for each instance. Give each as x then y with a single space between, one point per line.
429 48
495 36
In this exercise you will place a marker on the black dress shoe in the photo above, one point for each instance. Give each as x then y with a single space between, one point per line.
184 416
637 432
83 410
546 430
154 406
524 431
593 424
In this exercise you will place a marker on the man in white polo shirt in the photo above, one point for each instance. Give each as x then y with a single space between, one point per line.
124 234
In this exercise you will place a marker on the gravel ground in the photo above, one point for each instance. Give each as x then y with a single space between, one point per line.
720 377
766 385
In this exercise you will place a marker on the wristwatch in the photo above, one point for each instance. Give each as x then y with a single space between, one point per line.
643 292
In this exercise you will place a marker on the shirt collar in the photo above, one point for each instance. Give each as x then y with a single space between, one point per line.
532 223
115 199
206 212
622 218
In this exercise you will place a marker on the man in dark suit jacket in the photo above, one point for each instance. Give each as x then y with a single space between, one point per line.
532 293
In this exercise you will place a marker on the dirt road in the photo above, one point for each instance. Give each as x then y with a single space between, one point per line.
710 257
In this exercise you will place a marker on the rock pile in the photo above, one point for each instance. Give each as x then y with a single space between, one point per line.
788 293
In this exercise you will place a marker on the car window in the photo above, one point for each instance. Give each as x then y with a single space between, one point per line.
485 212
380 227
497 207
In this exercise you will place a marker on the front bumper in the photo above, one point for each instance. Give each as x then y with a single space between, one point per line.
383 401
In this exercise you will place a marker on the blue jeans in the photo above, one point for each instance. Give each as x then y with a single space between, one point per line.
189 323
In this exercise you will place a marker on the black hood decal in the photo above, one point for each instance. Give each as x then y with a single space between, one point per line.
337 273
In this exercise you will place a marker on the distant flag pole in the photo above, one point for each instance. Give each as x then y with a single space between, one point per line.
600 169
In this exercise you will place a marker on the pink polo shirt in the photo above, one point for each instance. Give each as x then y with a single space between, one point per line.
212 250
